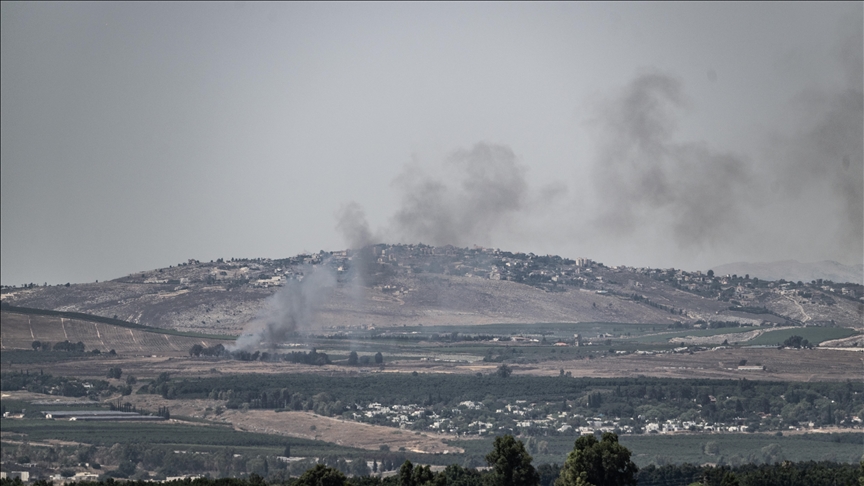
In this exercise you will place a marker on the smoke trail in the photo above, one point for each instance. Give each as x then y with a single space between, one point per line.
481 189
802 194
647 192
292 308
643 177
822 163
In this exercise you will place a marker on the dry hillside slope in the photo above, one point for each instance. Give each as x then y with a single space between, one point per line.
395 285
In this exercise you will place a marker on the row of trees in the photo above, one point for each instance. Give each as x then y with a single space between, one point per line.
313 357
51 385
353 359
61 346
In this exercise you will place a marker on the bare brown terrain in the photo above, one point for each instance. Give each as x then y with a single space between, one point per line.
305 425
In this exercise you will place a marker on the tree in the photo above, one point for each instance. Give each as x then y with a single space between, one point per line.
379 358
511 464
796 342
321 475
352 358
196 350
36 345
598 463
405 474
414 476
456 475
730 479
504 371
359 467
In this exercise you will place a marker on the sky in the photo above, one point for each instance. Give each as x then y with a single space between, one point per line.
139 135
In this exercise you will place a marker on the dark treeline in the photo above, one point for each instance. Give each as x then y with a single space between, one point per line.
311 358
786 474
824 403
782 474
54 385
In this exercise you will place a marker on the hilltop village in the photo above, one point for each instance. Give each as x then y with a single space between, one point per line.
440 285
380 267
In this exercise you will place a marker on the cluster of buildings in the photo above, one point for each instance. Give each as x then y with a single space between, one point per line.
474 418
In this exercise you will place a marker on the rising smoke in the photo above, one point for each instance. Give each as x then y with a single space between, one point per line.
477 193
293 308
483 187
644 177
647 192
824 158
803 193
351 222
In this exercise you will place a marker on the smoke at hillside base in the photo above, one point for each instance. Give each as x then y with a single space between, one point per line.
292 308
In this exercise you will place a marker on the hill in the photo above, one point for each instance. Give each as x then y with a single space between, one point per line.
795 271
397 285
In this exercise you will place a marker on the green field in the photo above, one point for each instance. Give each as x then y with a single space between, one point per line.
665 337
191 437
815 335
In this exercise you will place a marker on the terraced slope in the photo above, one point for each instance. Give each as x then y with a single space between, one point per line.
18 331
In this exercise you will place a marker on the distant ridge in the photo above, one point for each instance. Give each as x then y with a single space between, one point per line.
795 271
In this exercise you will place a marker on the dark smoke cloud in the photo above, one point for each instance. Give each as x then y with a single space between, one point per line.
482 188
643 177
292 308
351 222
804 191
827 150
646 190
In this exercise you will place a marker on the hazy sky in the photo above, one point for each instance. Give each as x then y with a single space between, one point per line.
139 135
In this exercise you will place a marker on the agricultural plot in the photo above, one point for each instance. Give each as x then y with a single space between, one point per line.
193 437
19 331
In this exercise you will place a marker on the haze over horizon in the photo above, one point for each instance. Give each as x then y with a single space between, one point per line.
136 136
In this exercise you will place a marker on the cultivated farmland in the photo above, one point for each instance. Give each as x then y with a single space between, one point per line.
19 331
